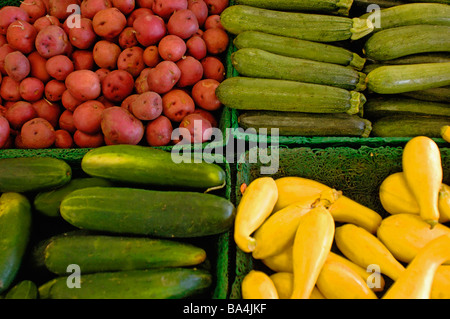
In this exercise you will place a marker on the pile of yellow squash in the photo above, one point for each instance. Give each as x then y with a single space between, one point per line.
291 223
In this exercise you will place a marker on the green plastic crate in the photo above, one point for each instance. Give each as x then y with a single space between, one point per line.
358 173
219 259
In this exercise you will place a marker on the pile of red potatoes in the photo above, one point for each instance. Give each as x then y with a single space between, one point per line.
99 72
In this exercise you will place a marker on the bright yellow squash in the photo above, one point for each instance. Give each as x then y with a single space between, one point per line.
282 262
312 243
445 133
406 234
256 205
258 285
283 282
441 283
422 168
364 249
278 231
416 281
444 203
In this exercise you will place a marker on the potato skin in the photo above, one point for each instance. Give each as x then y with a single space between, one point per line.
119 126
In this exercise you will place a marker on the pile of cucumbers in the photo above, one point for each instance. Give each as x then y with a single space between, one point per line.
324 68
133 217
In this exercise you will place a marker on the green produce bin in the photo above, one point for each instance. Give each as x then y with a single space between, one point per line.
358 173
217 247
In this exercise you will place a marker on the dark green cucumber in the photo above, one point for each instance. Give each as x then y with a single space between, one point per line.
307 124
394 79
386 106
440 94
409 126
141 165
407 40
146 212
245 93
26 174
26 289
163 283
297 48
101 253
48 202
258 63
306 26
341 7
15 228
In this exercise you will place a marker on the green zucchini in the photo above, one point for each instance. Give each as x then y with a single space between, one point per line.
297 48
258 63
48 202
141 165
440 94
409 126
102 253
431 57
407 40
386 106
166 214
307 124
25 289
26 174
341 7
15 228
306 26
162 283
394 79
411 14
245 93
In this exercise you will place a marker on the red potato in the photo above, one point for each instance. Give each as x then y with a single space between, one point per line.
87 117
137 13
159 131
105 54
45 21
165 8
127 38
102 73
216 40
38 67
84 140
191 71
117 85
204 94
10 90
216 6
84 85
34 8
20 113
183 23
128 100
31 89
4 51
172 48
4 131
60 8
52 40
17 66
125 6
147 106
66 121
213 21
63 139
150 29
196 47
47 110
47 4
54 90
163 77
177 104
109 23
107 103
213 68
37 133
200 9
83 60
120 126
9 14
59 67
132 61
207 115
21 36
89 8
82 37
3 40
151 56
141 83
144 3
198 127
69 102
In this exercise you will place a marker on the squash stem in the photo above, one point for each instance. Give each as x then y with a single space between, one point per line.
357 100
344 7
361 28
357 62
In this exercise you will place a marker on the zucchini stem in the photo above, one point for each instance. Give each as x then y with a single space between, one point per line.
361 28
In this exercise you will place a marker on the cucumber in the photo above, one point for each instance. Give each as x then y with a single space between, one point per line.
409 126
407 40
25 289
394 79
306 26
297 48
163 283
258 63
48 202
341 7
386 106
15 228
103 253
27 174
141 165
245 93
168 214
440 94
307 124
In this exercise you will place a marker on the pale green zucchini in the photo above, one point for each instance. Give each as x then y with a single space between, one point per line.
440 94
409 126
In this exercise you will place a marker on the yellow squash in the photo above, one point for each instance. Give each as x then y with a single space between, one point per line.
405 234
278 231
258 285
282 262
441 283
422 168
444 204
283 282
364 249
445 133
416 281
338 281
256 205
312 243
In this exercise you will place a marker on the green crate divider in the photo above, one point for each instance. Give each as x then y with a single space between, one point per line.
217 246
358 173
